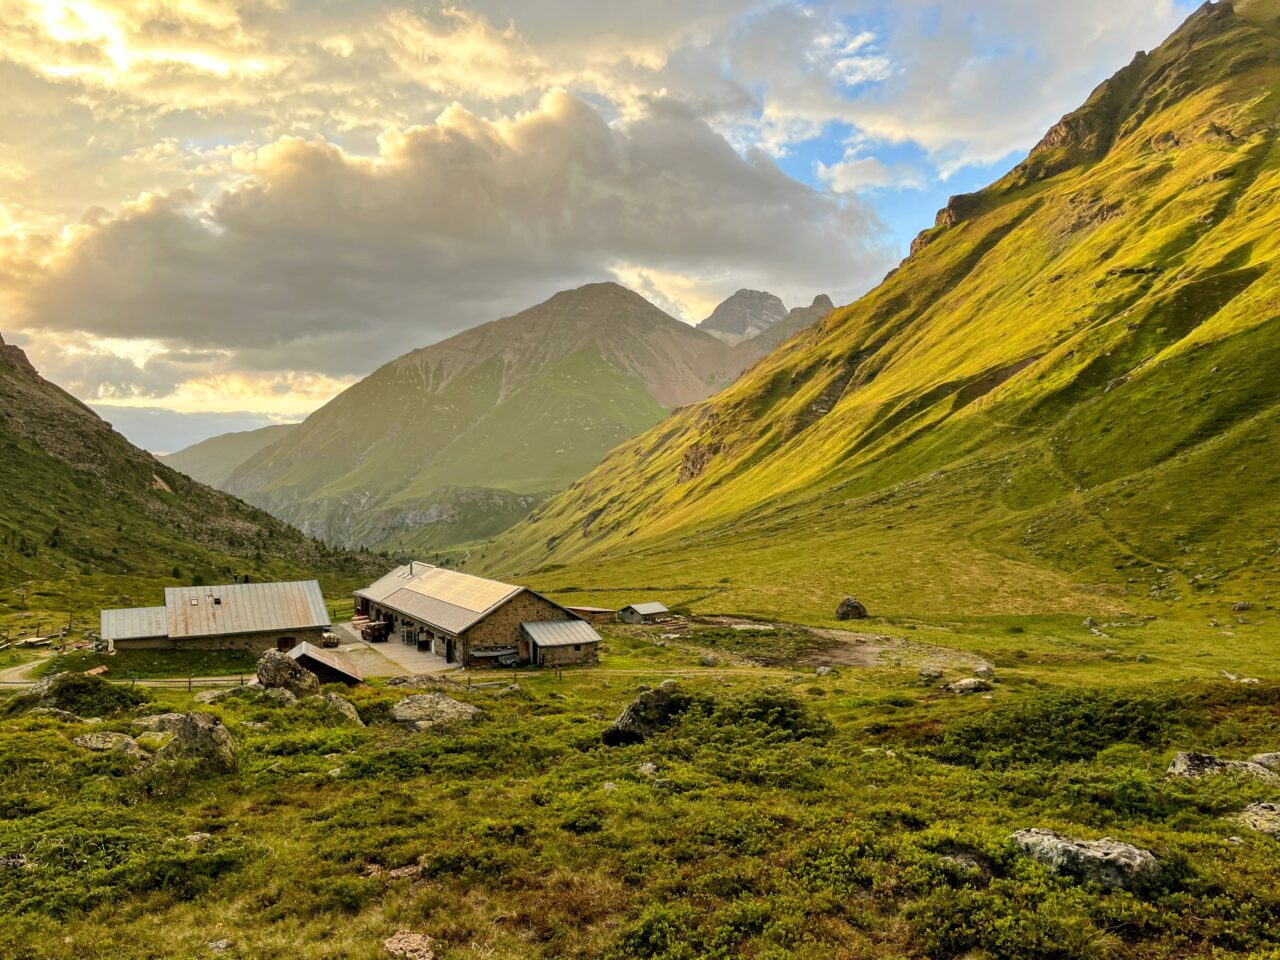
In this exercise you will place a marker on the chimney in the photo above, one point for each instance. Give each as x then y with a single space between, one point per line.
411 568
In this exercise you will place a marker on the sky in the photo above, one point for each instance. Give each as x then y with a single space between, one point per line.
217 214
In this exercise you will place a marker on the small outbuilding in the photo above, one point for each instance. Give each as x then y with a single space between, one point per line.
595 614
329 665
643 612
557 643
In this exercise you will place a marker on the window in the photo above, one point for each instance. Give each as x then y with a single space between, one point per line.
217 601
577 648
195 601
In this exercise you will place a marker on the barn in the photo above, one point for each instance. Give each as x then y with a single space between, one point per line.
595 614
233 616
642 612
474 621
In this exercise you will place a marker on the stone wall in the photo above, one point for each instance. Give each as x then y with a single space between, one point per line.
568 656
501 629
255 642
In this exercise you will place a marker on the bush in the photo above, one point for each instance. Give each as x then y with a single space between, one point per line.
782 715
85 696
1056 727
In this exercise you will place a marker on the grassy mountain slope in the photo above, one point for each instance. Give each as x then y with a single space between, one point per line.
1066 398
459 440
86 518
213 461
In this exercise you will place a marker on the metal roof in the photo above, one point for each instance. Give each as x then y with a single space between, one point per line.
443 598
592 609
134 623
644 609
560 633
331 659
244 608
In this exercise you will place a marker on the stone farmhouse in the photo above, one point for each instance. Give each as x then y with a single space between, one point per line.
473 621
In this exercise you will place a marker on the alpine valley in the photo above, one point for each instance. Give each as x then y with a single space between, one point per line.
457 441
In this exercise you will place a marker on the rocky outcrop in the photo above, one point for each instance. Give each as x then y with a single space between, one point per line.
1196 765
344 707
1263 817
160 723
423 711
651 712
744 315
107 742
279 671
1108 863
851 609
968 685
695 460
1269 760
201 738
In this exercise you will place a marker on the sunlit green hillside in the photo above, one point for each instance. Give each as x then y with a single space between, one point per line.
1065 400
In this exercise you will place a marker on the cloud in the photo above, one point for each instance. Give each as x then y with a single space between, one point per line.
330 262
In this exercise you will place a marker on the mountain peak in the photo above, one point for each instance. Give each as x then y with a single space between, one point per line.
744 315
16 356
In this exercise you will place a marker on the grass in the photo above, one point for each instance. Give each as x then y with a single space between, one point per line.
857 814
144 664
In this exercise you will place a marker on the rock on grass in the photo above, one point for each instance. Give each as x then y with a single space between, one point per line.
1196 765
1108 863
423 711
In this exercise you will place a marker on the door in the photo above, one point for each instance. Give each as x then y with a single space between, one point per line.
448 651
285 644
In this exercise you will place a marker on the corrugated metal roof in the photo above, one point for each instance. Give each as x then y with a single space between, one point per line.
443 598
645 609
244 608
330 658
592 609
134 623
560 633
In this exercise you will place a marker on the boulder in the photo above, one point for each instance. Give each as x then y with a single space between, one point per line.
984 671
851 609
709 660
424 681
1241 606
66 716
652 711
107 742
1106 862
281 697
45 685
153 740
159 723
1269 760
201 737
345 707
422 711
968 685
409 946
1263 817
930 673
823 671
1195 765
227 693
280 671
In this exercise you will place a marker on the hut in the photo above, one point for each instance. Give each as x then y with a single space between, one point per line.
642 612
595 614
329 665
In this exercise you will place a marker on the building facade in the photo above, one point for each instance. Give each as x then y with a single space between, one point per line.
465 619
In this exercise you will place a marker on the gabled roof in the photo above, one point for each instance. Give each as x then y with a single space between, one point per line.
647 609
447 599
560 633
330 659
244 608
133 623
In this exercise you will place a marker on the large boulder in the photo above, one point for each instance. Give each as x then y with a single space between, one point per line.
649 713
968 685
1263 817
280 671
422 711
1196 765
1106 862
159 723
343 706
1269 760
107 742
201 737
851 609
